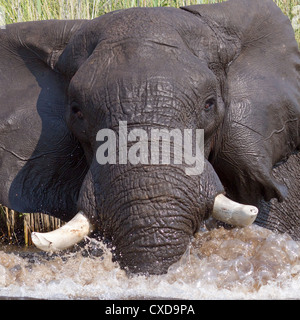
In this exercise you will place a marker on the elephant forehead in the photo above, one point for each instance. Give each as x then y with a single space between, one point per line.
171 27
138 23
128 67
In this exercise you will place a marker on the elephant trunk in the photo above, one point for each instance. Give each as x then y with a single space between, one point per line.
150 213
155 223
151 234
151 250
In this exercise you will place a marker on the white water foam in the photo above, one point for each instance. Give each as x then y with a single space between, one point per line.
248 263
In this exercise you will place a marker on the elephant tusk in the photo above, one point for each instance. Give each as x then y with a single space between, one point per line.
69 234
233 213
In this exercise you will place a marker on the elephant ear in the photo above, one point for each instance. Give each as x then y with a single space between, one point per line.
262 121
42 165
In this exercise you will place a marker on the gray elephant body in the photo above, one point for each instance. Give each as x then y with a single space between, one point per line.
284 216
231 69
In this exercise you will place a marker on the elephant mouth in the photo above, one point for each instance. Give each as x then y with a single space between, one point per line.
79 227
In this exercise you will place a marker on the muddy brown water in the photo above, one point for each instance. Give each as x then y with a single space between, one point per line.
248 263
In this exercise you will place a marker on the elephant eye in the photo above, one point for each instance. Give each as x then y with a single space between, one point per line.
209 104
76 111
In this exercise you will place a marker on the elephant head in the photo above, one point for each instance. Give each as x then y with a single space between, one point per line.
231 69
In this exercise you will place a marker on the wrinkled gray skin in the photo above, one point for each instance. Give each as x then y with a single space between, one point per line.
63 81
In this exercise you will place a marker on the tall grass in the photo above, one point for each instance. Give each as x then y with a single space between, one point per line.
29 10
24 10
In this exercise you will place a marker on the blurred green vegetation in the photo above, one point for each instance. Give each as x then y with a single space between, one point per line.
29 10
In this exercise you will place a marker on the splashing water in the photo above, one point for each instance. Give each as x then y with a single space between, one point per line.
248 263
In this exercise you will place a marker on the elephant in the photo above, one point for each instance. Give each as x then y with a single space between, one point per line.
231 69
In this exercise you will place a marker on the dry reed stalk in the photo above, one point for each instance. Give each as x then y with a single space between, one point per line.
13 222
39 222
8 223
27 238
